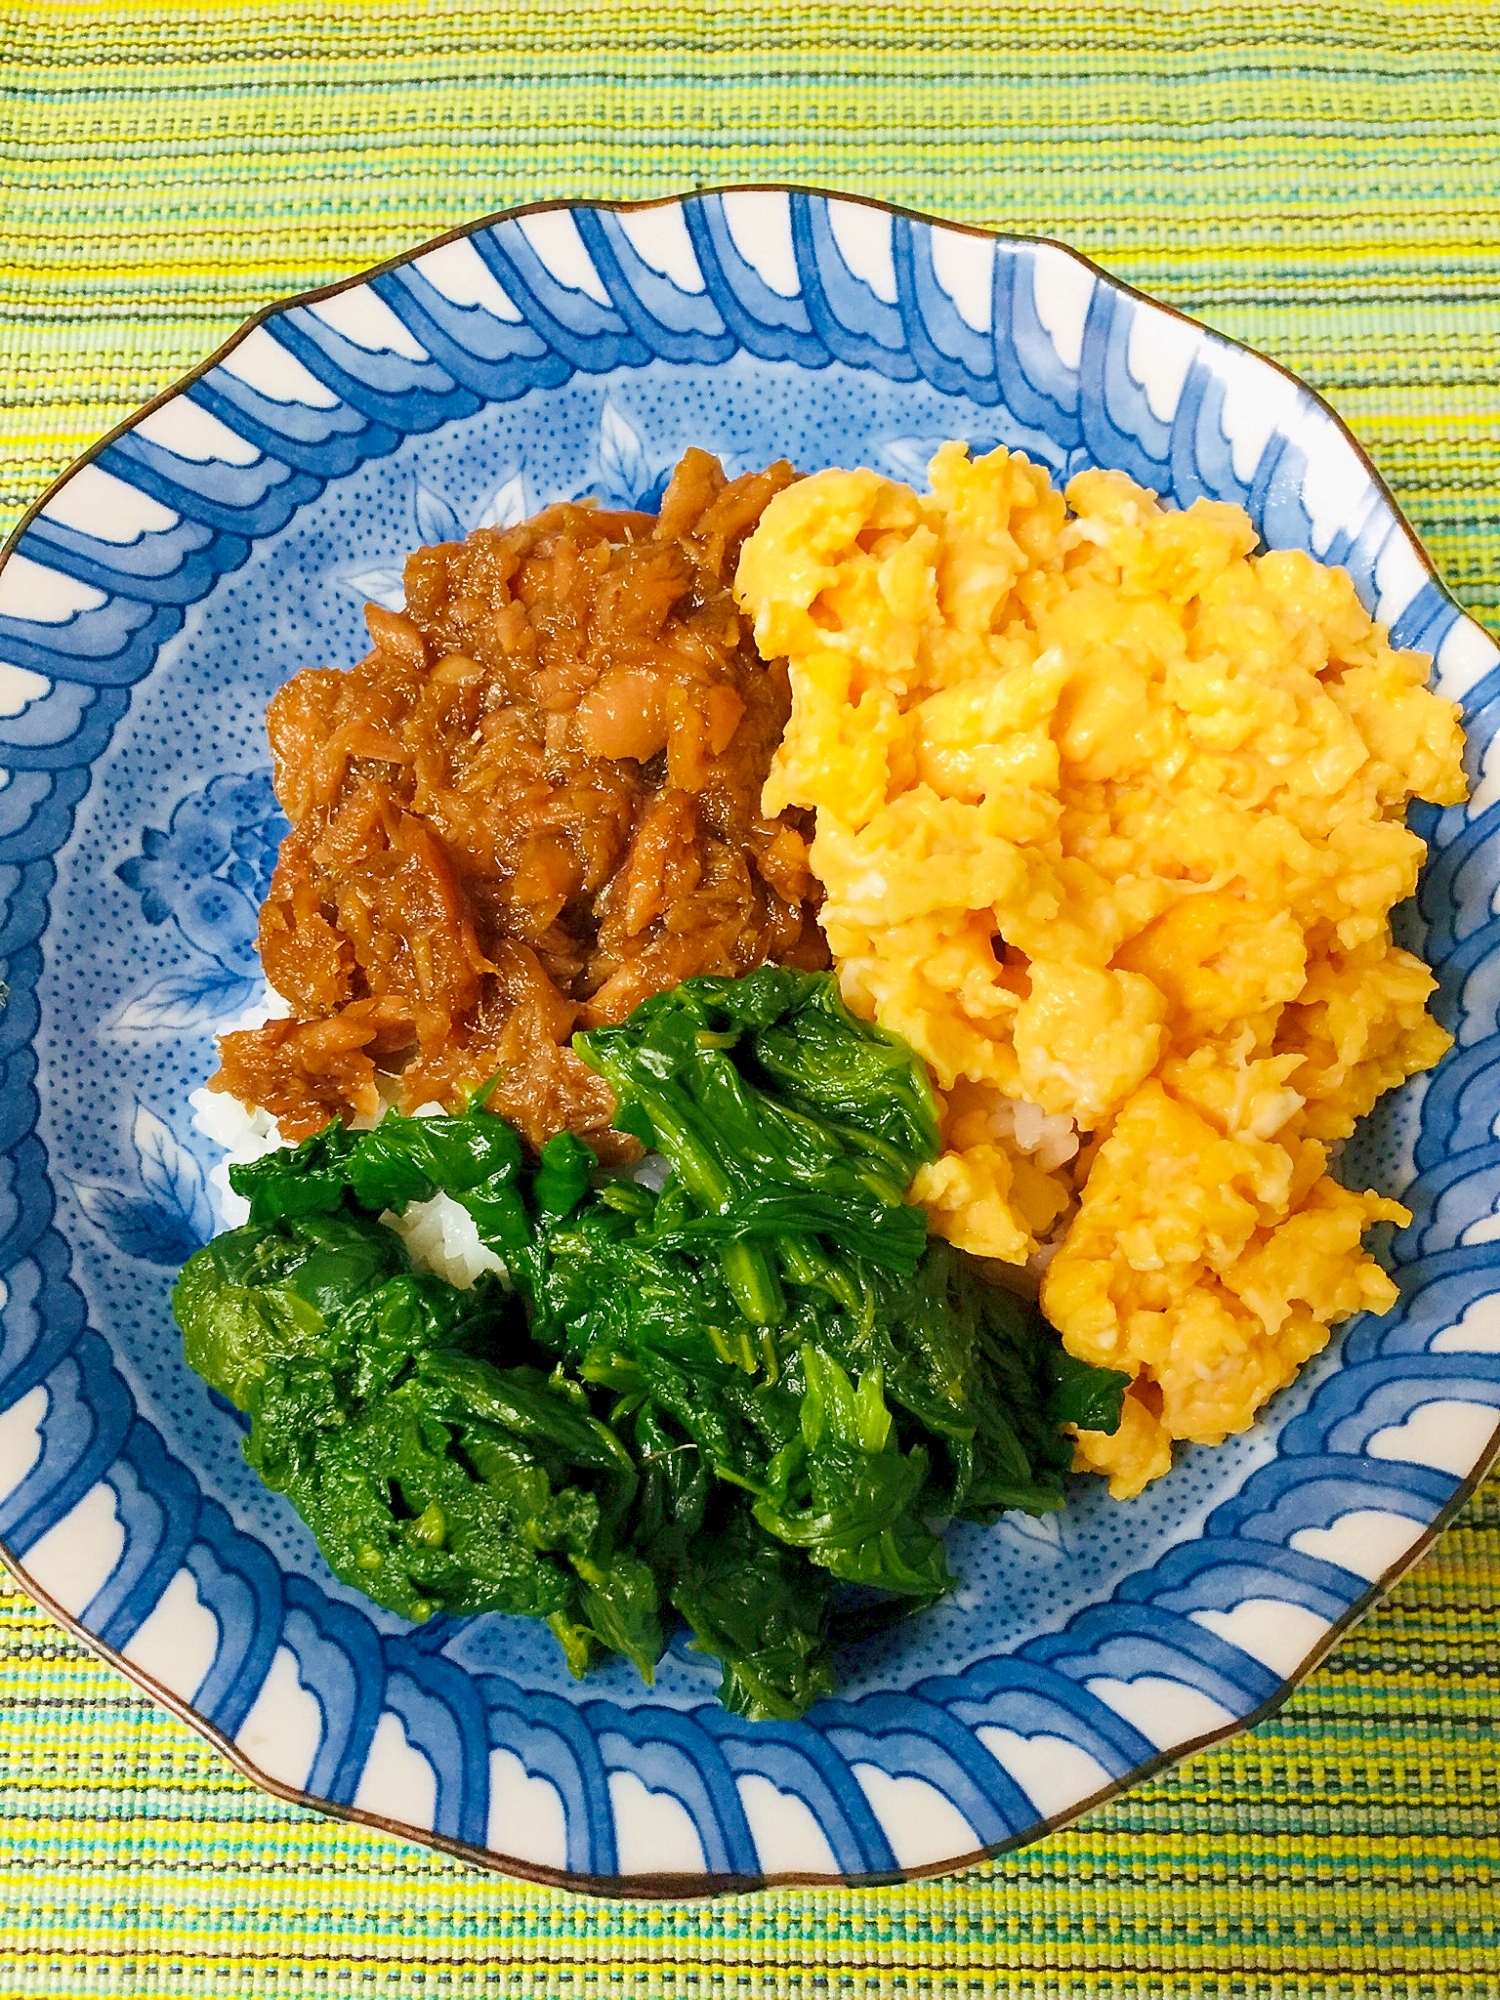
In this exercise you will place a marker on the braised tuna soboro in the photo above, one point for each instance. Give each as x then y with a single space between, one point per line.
535 803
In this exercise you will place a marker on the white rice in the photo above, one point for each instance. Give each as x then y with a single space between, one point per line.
440 1235
651 1172
1048 1137
245 1135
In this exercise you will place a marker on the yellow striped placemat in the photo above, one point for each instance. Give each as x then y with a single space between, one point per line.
1319 181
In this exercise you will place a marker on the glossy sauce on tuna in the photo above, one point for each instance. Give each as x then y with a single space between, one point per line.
533 804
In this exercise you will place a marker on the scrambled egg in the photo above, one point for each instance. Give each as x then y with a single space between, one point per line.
1110 820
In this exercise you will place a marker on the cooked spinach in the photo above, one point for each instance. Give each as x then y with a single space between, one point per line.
750 1394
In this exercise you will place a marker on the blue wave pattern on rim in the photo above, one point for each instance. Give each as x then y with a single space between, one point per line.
342 1705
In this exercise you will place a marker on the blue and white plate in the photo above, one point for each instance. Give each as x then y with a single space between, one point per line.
230 534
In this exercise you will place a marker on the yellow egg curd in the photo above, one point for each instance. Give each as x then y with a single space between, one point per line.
1110 819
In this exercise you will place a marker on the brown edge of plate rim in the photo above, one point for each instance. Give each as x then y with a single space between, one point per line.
690 1888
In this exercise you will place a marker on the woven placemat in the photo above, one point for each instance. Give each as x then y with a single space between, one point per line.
1321 182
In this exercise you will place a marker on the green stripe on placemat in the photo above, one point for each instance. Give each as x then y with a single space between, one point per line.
1319 181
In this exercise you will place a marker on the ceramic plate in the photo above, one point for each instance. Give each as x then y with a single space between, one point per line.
230 534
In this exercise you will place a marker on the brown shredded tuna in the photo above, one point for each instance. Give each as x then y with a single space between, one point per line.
535 803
